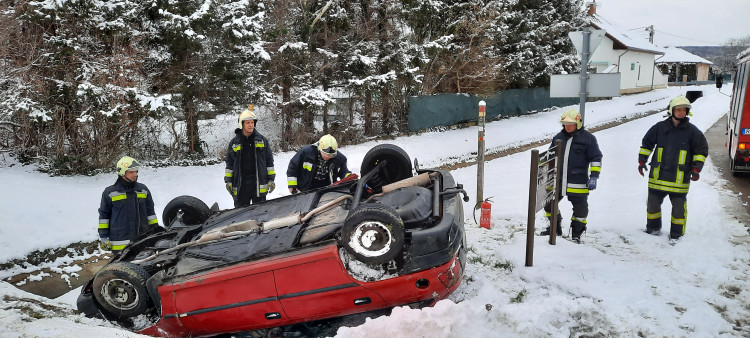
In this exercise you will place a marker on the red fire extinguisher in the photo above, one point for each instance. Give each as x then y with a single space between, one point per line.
486 214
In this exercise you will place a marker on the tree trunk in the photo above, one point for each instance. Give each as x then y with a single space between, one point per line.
286 116
368 112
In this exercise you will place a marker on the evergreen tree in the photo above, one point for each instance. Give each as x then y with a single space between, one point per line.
537 44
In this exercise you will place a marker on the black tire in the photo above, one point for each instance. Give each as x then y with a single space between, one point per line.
194 211
398 166
731 168
120 289
373 234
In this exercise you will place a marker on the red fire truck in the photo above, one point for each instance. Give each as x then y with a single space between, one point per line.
738 120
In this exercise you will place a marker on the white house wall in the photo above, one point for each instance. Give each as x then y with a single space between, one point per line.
637 69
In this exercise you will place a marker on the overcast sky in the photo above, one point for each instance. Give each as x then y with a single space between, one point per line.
681 22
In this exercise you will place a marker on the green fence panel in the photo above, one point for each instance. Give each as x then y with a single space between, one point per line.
447 109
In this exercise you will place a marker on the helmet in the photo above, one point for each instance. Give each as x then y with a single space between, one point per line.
571 116
127 163
247 114
679 101
328 145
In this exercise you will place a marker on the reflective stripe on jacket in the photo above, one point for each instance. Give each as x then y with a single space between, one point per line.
580 154
263 171
676 150
303 165
125 213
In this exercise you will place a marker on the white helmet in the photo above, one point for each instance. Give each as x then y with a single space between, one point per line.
328 145
127 163
247 114
571 116
679 101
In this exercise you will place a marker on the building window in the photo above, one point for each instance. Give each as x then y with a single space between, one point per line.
632 66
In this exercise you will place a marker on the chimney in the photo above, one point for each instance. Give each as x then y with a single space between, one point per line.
591 8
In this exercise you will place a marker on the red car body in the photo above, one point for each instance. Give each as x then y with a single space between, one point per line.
298 287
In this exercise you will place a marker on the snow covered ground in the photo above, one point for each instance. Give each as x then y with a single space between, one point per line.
620 282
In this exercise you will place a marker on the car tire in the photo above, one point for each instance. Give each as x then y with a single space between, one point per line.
398 166
194 211
373 234
120 289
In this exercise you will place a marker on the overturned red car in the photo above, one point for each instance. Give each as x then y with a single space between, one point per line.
387 239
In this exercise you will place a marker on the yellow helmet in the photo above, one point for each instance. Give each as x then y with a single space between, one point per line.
571 116
127 163
247 114
328 145
679 101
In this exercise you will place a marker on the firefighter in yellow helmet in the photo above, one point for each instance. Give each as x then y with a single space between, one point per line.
126 210
316 165
679 151
580 168
249 174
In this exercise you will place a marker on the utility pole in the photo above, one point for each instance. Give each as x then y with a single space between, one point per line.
650 30
583 92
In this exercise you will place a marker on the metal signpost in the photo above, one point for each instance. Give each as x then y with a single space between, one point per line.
480 154
585 85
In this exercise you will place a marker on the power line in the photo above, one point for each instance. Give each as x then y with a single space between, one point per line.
687 38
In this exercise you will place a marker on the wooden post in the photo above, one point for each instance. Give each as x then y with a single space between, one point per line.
533 179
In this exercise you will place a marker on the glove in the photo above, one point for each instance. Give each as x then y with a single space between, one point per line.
592 183
271 186
695 174
229 188
642 167
104 244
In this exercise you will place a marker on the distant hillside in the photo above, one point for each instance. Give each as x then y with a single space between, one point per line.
706 52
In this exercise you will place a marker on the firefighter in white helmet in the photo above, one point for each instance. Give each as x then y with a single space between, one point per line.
679 151
249 174
126 210
316 165
580 169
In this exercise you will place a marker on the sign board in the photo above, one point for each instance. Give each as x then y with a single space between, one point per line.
598 85
596 37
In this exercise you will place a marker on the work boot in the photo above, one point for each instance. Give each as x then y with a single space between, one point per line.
577 228
673 239
652 231
546 232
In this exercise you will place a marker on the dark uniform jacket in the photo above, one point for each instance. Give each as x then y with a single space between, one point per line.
304 164
125 212
676 150
580 150
263 170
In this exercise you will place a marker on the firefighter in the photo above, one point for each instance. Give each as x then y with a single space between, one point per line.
126 210
679 150
581 154
249 174
316 165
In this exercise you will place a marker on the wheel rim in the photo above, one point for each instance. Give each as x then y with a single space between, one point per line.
120 293
371 239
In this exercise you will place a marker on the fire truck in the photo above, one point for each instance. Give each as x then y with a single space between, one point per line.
738 119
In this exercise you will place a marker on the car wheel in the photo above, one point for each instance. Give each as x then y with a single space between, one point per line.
194 211
373 234
120 288
397 168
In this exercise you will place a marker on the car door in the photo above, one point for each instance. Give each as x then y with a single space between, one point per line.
229 301
322 289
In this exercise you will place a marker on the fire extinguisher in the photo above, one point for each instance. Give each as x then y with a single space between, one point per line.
486 214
